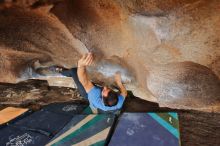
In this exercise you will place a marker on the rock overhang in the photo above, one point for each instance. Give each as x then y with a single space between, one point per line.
146 36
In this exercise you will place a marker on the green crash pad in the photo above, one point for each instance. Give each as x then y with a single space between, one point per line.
84 130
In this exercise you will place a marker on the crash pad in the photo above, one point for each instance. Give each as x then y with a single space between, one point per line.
49 122
15 136
68 108
73 108
10 113
84 130
151 129
35 129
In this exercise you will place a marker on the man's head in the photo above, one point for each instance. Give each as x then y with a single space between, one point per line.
110 97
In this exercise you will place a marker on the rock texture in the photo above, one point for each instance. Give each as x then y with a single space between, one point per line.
146 40
186 84
150 35
35 94
31 36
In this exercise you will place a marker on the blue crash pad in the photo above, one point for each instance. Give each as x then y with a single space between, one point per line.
15 136
46 121
150 129
66 108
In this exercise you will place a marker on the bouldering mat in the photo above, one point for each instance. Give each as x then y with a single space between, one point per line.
37 128
151 129
68 108
84 130
11 113
73 108
49 122
15 136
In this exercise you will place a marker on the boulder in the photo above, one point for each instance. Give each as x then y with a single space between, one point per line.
167 51
185 85
28 37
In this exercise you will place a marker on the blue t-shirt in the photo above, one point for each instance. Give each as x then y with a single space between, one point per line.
95 100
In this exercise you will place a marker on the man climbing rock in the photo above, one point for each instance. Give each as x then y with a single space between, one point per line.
102 98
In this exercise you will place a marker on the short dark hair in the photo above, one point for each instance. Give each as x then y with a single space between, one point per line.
111 99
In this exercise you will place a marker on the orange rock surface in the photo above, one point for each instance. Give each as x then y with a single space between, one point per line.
168 51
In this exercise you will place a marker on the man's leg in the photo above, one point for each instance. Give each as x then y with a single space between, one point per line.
73 73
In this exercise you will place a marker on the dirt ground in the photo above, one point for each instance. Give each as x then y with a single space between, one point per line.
196 128
34 94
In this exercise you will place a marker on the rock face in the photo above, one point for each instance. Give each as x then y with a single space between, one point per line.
28 37
186 84
148 41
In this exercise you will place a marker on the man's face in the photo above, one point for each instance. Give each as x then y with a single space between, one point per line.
105 91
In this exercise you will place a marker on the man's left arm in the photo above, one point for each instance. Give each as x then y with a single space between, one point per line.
120 85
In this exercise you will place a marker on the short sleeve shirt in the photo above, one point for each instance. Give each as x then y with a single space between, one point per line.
95 100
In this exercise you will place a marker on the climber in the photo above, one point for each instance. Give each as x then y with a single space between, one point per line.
102 98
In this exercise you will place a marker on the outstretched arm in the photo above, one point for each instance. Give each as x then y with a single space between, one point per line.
86 60
120 85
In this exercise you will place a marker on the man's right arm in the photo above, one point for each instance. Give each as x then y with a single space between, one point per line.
86 60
